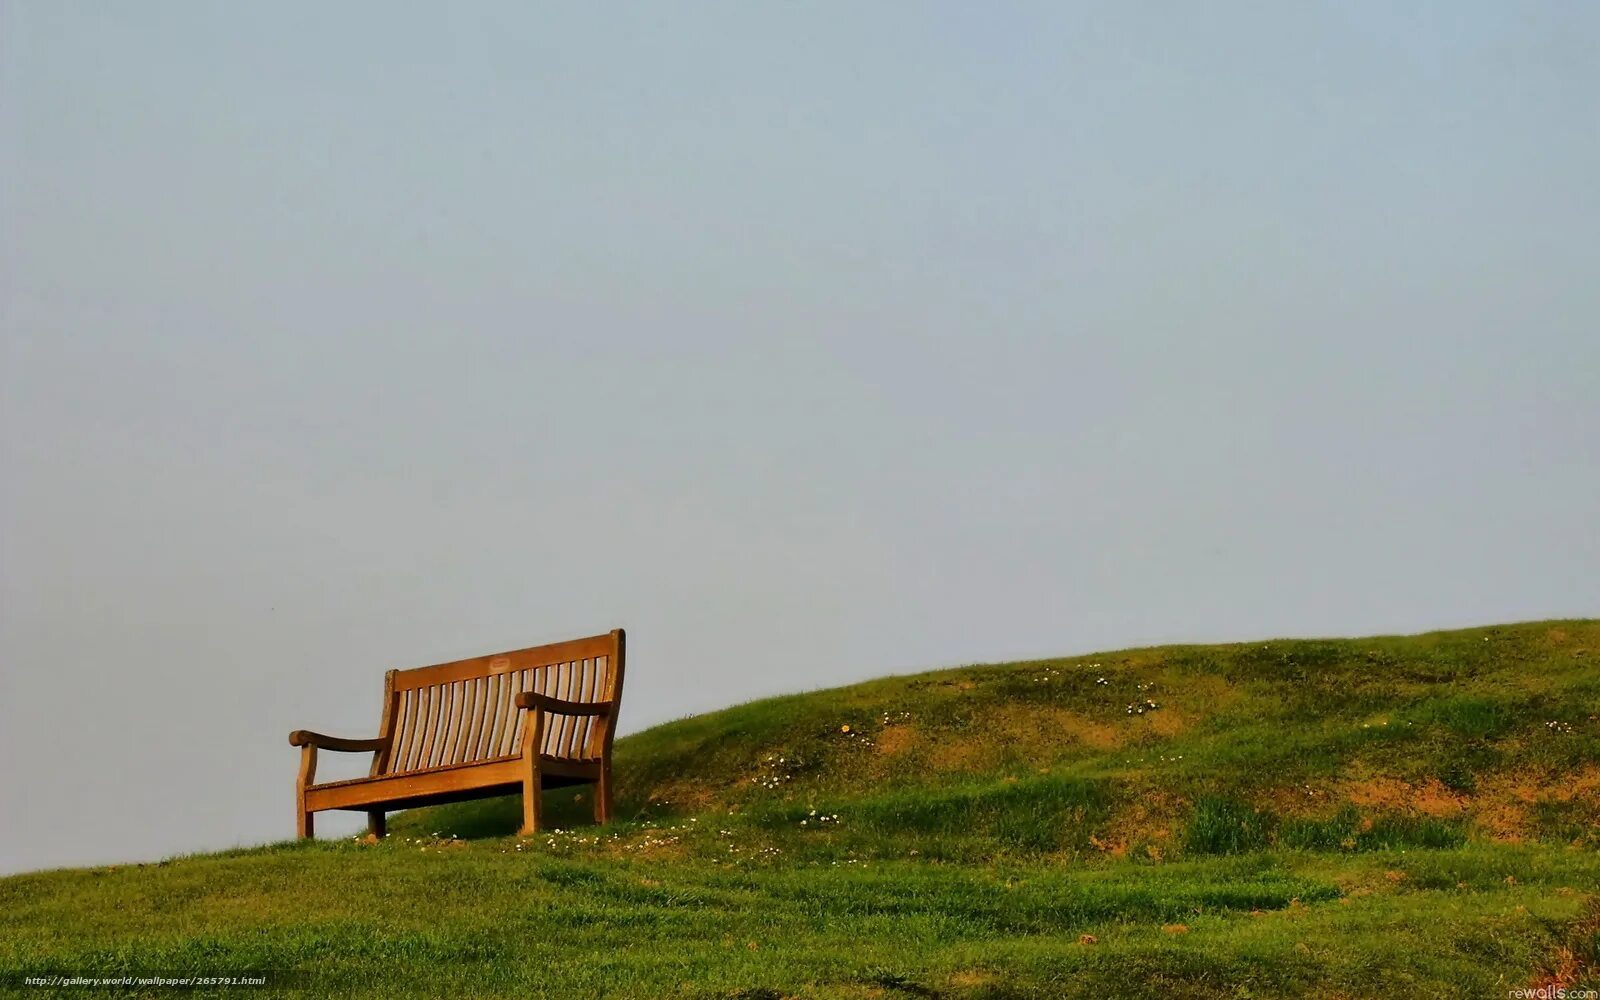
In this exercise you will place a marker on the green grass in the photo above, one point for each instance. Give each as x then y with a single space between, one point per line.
1292 818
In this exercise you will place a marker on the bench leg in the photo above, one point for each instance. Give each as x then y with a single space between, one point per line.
378 824
305 829
531 788
602 796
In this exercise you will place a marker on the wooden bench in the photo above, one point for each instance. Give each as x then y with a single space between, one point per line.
511 722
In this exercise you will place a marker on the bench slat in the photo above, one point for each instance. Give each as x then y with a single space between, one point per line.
453 720
419 705
570 731
440 720
447 725
432 702
569 673
506 725
580 725
456 716
403 724
587 692
471 716
441 733
488 741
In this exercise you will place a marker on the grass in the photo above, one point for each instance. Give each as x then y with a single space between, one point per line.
1306 818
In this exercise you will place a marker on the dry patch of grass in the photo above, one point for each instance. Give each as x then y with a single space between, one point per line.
1001 733
685 794
896 739
1047 730
1145 826
951 756
1506 803
1167 723
1430 797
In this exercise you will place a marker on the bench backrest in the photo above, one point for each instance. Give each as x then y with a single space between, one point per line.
463 711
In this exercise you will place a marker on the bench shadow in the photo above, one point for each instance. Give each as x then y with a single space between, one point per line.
495 818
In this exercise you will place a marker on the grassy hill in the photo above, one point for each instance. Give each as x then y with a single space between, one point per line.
1341 818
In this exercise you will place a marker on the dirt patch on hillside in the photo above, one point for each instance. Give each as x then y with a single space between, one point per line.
1057 726
950 753
1504 821
1583 783
895 739
1167 722
1145 825
1041 733
1431 797
1079 728
684 795
1506 803
1504 806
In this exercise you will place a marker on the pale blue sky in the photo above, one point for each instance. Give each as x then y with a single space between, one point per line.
809 342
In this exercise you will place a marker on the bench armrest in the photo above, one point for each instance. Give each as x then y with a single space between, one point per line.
306 738
548 704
